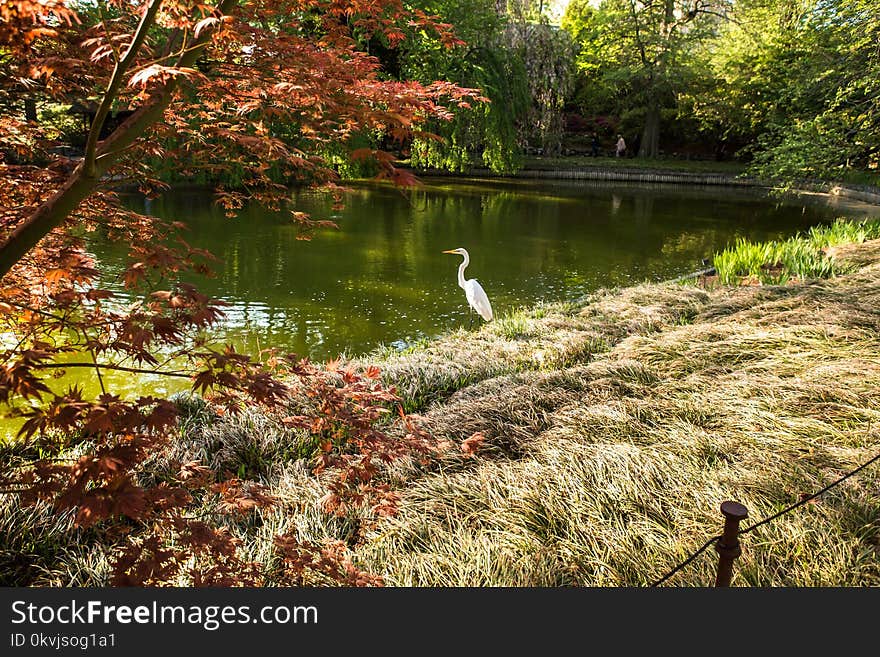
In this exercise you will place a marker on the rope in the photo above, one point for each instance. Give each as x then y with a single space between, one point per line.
810 497
686 561
766 520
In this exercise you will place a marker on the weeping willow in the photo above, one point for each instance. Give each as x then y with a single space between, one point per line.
486 134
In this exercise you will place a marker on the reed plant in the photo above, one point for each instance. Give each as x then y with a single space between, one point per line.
802 257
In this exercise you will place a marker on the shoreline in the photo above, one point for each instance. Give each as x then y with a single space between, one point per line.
648 174
661 176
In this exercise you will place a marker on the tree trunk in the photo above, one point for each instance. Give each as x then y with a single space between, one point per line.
48 216
81 183
85 178
650 144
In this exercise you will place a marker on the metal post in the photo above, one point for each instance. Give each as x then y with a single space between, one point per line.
728 545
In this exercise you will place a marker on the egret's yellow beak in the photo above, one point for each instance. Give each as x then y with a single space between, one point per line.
452 252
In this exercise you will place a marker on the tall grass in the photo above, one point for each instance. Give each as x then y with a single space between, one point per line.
801 257
844 231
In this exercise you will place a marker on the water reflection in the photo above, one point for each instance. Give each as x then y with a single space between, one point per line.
381 278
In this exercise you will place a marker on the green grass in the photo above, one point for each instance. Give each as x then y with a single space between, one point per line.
803 256
514 326
664 164
546 337
844 231
867 178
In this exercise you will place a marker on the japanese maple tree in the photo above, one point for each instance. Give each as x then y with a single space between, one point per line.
260 86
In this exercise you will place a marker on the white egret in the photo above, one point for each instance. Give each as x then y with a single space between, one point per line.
474 292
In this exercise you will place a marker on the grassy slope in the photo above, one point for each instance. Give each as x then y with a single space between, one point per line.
614 429
608 470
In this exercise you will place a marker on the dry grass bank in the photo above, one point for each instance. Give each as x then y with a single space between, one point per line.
608 468
613 429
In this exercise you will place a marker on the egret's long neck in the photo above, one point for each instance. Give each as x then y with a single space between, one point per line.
461 269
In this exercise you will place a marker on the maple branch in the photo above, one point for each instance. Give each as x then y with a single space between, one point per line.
79 186
108 33
119 71
37 311
11 352
104 156
97 370
105 366
163 58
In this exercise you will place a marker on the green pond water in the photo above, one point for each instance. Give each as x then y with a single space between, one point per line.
381 279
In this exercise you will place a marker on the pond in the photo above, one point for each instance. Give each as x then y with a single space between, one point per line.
382 279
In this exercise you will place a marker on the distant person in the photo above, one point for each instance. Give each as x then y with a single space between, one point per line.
594 144
621 146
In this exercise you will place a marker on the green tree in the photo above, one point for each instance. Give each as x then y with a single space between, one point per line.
520 63
548 55
484 134
796 83
637 58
